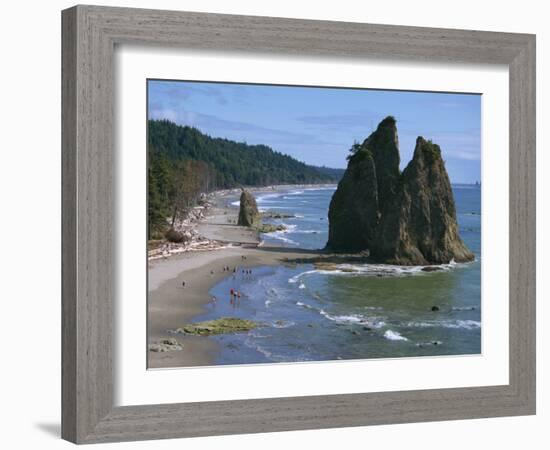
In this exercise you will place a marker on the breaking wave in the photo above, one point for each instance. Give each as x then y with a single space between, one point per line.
379 270
394 336
464 324
349 319
279 236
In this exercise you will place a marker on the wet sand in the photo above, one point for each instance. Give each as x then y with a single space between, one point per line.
172 305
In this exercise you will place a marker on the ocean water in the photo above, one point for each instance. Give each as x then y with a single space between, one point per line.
379 311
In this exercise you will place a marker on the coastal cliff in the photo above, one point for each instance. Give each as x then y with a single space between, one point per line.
248 211
406 218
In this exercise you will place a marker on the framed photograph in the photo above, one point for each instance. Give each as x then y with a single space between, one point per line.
276 224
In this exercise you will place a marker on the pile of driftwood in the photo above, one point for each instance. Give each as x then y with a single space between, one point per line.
199 243
183 236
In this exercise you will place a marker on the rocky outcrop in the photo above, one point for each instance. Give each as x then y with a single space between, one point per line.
173 235
368 184
404 218
354 205
248 212
166 345
419 226
223 325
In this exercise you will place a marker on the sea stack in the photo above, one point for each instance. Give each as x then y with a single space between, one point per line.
406 218
248 212
367 185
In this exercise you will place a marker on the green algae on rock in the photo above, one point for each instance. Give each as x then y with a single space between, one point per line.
269 228
218 326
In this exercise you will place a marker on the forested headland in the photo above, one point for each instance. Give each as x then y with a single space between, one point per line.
183 163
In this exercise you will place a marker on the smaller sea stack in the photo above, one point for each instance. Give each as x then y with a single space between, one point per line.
248 212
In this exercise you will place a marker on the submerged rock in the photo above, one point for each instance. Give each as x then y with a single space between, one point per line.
248 212
270 228
427 344
218 326
404 218
276 215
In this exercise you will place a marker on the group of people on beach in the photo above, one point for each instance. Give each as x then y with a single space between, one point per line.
234 295
236 270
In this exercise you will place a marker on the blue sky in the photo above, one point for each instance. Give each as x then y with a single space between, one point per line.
319 125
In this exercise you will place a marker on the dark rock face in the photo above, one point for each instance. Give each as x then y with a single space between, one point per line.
354 206
175 236
413 219
248 213
384 146
370 180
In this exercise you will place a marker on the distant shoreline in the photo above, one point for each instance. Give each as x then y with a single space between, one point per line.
212 241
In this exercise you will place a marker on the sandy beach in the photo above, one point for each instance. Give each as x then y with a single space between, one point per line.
172 305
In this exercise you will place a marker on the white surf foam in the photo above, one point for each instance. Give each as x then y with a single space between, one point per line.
378 270
322 188
464 324
279 236
394 336
343 318
347 319
296 278
298 231
304 305
265 198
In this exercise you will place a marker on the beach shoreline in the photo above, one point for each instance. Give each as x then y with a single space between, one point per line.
382 314
171 305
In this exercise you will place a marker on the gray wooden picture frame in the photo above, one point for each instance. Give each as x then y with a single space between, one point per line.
90 34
